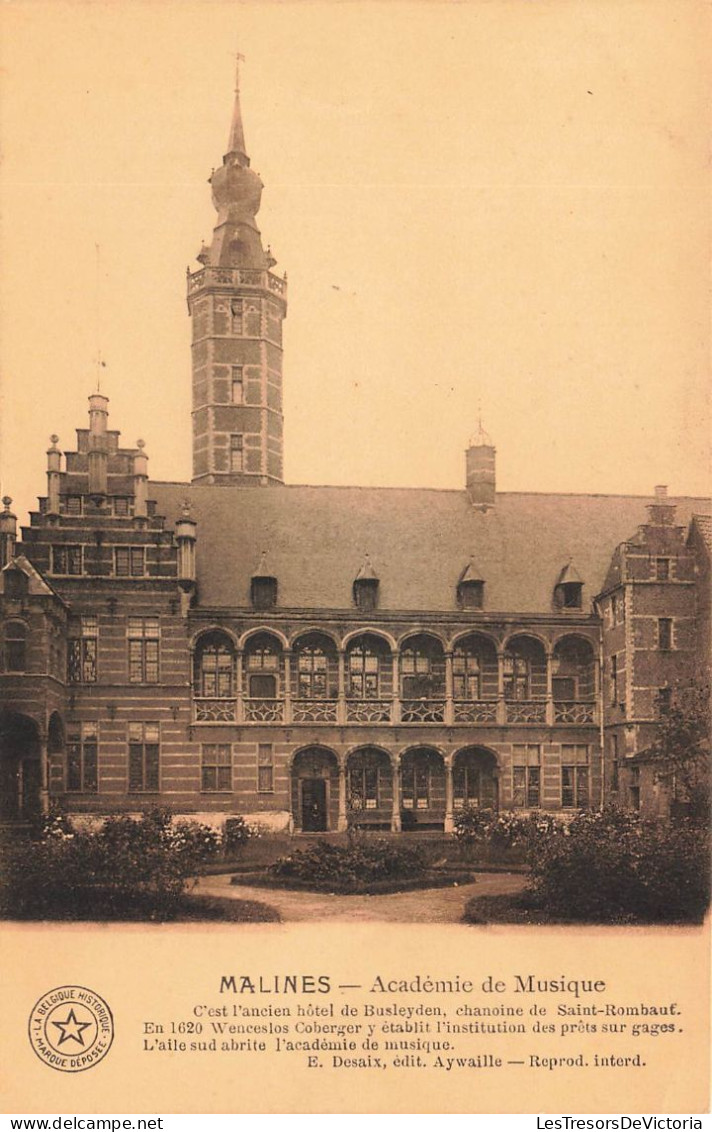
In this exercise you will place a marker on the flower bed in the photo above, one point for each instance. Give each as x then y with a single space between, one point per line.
362 865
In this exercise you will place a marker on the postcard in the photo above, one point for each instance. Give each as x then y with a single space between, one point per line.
354 548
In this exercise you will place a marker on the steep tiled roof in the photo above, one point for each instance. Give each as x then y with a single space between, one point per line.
316 539
37 584
704 526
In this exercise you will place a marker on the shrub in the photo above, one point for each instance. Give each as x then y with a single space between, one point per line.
505 835
360 861
146 862
236 835
614 866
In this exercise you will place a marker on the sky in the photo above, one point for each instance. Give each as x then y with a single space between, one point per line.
493 208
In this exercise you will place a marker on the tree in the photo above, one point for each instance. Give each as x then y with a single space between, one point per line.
681 750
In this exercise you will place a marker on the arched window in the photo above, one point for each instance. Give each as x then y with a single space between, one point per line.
466 675
517 677
262 662
363 675
415 669
312 674
215 666
15 647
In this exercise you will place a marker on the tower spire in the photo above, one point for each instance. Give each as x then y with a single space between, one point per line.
237 306
236 141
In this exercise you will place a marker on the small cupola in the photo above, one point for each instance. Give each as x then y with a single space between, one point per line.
8 532
470 592
480 470
185 541
263 586
568 591
365 588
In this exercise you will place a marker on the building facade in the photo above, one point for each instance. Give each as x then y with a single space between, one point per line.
320 656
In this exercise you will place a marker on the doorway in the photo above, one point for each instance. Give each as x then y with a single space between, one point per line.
20 768
314 808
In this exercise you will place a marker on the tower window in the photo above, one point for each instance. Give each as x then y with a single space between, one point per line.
665 633
237 453
15 647
662 569
614 679
237 392
236 316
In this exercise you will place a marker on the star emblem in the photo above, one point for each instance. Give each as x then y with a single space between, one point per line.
72 1029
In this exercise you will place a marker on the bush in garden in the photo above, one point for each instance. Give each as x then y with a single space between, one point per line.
361 861
236 835
500 835
614 866
148 861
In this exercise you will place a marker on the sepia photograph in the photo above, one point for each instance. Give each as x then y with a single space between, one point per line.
356 522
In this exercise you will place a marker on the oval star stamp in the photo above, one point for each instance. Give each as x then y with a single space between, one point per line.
71 1028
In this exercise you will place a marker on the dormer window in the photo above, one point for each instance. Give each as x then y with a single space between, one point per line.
470 591
571 596
264 593
365 588
263 587
568 591
15 582
471 595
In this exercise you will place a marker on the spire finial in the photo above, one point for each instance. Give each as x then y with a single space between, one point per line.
236 143
238 59
100 363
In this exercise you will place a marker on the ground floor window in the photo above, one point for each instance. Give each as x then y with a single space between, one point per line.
144 747
216 767
265 768
575 785
465 786
82 759
415 785
634 788
526 775
363 788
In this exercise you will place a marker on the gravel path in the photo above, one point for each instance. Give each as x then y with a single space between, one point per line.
424 906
